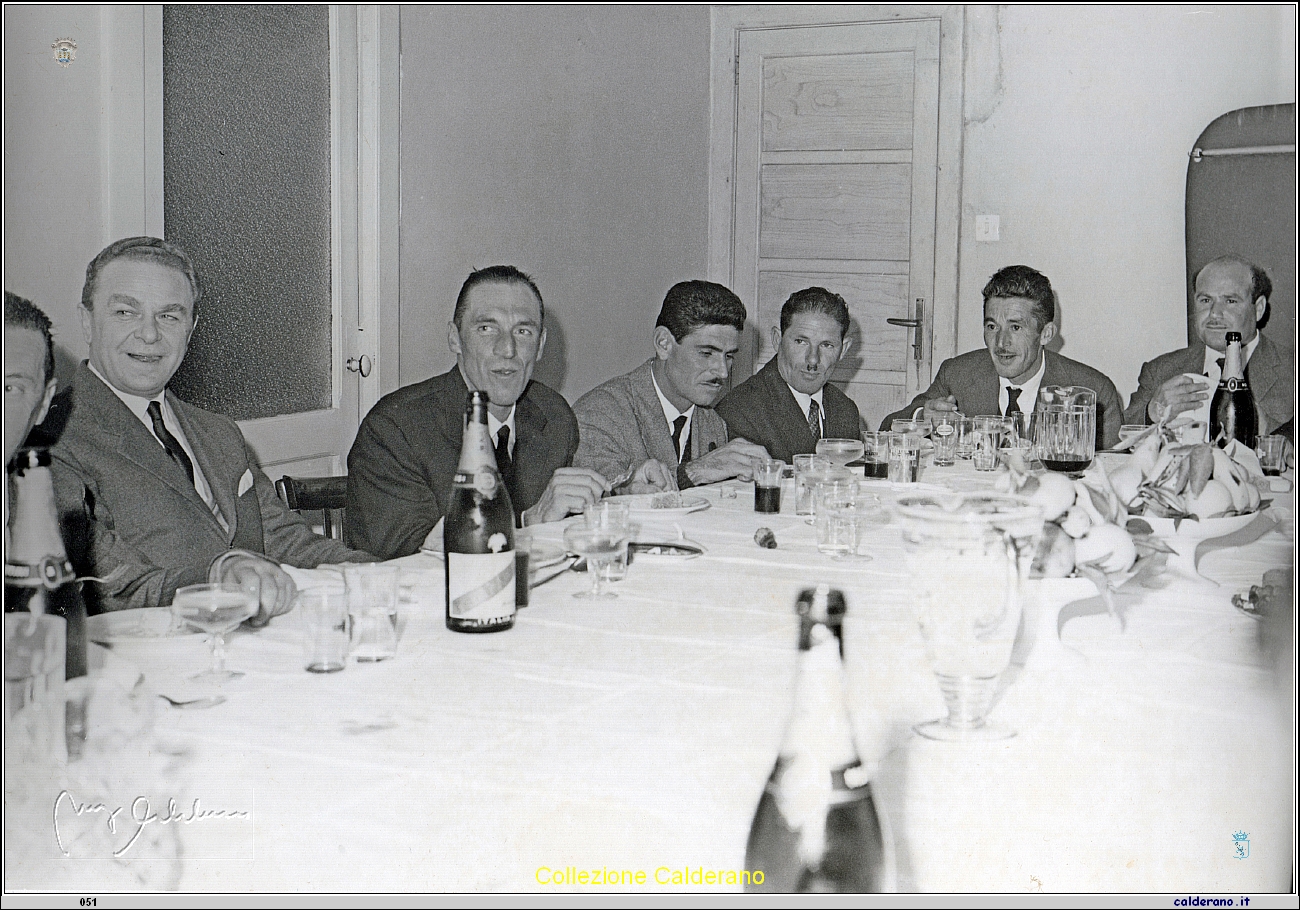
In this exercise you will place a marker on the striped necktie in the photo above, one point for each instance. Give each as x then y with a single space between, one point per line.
814 420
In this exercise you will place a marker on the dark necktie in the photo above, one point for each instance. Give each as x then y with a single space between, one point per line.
1221 361
814 420
1012 395
504 463
683 446
170 442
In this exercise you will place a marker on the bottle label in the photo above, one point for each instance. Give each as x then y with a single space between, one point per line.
1234 385
481 586
483 482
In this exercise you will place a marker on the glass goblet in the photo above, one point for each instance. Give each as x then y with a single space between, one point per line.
598 545
841 451
216 609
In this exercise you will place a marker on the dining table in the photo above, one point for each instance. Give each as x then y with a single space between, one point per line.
623 745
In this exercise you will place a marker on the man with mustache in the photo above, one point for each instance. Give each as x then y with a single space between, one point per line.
1019 309
788 405
1231 295
169 494
656 425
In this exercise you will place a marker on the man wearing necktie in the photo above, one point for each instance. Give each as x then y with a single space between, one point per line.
1004 378
790 403
656 425
168 493
401 465
1231 295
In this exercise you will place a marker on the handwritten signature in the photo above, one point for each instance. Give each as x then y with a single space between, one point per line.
141 815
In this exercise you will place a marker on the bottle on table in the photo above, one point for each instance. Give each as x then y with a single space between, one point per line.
816 828
1232 409
479 534
45 615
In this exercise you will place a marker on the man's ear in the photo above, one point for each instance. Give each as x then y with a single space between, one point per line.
1047 334
664 342
453 338
87 323
541 345
776 338
1261 305
844 351
50 388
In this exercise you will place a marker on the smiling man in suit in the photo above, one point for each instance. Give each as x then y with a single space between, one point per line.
1019 314
788 405
169 494
656 426
1231 295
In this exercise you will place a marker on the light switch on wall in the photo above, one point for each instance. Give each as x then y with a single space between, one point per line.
986 228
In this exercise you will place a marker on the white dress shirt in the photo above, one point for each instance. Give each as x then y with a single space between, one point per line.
802 400
671 414
1028 390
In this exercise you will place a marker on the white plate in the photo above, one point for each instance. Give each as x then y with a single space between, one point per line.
1205 529
663 505
144 624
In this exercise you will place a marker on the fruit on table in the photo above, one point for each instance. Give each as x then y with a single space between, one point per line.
1215 499
1053 493
1107 546
1054 557
1126 481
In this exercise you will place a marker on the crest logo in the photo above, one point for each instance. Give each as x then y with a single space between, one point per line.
1240 845
65 51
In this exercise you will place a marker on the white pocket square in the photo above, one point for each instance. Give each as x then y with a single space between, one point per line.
245 482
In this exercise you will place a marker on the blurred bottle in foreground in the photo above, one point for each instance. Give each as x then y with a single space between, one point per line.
817 828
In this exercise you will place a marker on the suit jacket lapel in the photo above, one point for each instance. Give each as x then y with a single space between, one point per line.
793 424
210 453
132 439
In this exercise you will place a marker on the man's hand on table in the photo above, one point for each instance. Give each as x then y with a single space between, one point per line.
737 458
570 490
652 477
1182 393
276 588
939 407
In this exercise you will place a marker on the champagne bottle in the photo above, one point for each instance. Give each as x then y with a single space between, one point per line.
38 576
479 534
1232 410
816 828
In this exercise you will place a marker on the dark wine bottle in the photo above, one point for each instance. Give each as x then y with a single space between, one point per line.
1232 410
38 576
817 828
479 534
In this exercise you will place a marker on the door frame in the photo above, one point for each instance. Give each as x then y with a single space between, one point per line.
364 76
726 25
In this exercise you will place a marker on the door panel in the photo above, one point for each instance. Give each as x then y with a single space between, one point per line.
836 149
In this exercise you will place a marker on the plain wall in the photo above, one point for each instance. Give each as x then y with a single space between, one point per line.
1080 143
569 141
53 219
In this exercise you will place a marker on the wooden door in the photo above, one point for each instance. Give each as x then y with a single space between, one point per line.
836 144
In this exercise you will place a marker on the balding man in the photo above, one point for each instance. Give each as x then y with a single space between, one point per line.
1231 296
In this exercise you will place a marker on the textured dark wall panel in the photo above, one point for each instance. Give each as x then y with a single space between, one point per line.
246 140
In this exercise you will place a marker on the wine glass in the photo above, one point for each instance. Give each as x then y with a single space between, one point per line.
598 545
841 451
967 557
215 609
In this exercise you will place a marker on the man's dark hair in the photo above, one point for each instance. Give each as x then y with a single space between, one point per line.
21 313
816 300
688 305
1022 281
499 274
141 249
1260 284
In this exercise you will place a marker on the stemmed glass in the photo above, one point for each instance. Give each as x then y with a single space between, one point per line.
216 609
598 545
967 557
841 451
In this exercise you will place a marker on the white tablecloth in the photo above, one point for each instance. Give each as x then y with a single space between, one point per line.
637 734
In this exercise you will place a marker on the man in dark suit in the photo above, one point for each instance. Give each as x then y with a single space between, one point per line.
1231 296
656 425
169 494
401 466
1019 314
788 405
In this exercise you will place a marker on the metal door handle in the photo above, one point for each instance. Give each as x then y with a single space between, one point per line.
360 365
905 323
918 342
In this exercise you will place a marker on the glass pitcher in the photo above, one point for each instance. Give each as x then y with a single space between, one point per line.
1065 428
